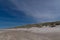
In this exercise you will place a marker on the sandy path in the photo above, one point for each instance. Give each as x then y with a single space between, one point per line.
25 35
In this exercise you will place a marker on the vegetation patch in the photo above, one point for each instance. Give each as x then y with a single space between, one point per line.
50 24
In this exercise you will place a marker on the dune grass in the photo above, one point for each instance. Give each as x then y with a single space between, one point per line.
51 24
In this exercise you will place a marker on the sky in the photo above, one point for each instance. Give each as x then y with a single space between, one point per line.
20 12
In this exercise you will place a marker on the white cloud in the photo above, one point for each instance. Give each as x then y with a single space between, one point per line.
39 9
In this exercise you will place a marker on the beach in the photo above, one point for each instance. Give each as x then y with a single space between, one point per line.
29 34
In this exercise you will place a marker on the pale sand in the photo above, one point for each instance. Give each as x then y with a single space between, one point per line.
31 34
26 35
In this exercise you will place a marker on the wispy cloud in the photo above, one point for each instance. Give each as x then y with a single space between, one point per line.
41 10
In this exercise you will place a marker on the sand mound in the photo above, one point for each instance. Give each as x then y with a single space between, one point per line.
34 33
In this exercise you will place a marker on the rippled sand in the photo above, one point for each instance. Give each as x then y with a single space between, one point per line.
26 35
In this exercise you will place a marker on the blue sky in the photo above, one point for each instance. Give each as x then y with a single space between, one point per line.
19 12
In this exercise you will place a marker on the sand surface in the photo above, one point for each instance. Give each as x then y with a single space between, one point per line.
30 34
26 35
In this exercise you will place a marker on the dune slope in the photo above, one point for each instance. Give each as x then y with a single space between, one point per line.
26 35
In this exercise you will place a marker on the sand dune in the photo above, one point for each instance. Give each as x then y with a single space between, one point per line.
25 35
30 34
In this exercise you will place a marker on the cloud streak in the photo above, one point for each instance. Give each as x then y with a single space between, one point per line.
41 10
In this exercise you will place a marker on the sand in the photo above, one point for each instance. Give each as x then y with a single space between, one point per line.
25 35
31 34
